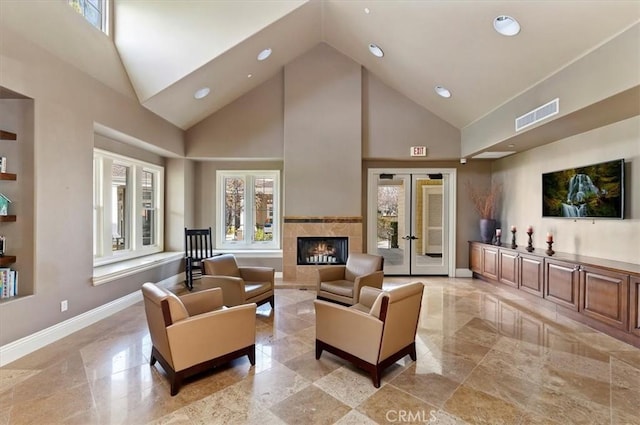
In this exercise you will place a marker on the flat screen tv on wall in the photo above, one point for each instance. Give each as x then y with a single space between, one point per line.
592 191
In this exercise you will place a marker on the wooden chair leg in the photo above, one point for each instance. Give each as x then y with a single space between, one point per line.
375 376
252 356
319 350
412 353
152 361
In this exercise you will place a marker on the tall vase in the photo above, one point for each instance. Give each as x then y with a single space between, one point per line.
487 229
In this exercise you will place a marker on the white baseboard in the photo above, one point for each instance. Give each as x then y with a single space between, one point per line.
23 346
464 273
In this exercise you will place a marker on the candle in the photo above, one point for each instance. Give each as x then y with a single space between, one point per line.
549 237
513 228
498 232
530 229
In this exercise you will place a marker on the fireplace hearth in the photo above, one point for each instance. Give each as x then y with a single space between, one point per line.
322 250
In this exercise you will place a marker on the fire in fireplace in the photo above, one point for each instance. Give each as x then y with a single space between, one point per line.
322 250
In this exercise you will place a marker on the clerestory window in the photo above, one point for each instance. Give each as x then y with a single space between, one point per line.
94 11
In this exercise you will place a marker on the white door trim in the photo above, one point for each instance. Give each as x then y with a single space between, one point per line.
372 207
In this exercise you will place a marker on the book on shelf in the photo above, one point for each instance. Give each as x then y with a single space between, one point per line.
8 282
3 164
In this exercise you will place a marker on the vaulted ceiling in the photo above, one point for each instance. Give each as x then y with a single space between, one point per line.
172 48
164 50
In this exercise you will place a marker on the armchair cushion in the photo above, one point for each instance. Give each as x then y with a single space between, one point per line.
339 287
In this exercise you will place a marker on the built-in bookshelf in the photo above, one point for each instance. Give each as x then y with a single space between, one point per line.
8 277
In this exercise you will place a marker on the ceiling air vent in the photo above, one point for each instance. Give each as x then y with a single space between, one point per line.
538 114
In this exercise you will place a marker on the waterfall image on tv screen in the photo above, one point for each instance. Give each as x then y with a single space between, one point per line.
593 191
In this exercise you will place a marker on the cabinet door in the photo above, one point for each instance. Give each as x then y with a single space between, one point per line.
561 283
490 262
475 257
634 313
531 274
604 296
508 267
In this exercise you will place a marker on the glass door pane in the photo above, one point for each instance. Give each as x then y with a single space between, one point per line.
393 205
429 225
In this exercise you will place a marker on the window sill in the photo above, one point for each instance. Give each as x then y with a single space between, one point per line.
251 253
115 271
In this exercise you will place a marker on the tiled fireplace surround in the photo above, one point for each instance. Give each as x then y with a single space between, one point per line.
350 227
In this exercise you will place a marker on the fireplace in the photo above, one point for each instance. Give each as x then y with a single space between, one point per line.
322 250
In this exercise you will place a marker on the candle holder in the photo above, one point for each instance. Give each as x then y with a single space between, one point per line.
498 241
513 240
550 251
530 242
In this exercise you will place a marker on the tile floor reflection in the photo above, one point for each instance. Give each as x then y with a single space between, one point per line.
484 357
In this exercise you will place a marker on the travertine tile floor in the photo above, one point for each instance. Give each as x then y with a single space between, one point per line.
484 357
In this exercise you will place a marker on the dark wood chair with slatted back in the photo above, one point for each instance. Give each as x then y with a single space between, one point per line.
198 245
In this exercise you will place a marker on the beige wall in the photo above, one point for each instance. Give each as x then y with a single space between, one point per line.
322 134
521 177
392 123
205 187
609 70
249 127
67 103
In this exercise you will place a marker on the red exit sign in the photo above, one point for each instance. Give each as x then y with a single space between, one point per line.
418 151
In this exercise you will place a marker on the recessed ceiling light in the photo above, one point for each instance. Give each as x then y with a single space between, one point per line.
443 91
511 145
249 75
366 10
264 54
203 92
506 25
376 50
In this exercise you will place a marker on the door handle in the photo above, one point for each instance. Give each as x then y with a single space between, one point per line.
413 238
406 238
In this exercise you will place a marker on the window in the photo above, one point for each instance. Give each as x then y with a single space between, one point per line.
127 207
248 214
94 11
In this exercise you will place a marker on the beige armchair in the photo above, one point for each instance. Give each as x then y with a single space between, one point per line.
342 284
375 333
240 285
195 332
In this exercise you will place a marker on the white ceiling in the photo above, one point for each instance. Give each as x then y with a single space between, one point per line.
172 48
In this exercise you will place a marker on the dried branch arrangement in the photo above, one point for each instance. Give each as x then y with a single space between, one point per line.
484 201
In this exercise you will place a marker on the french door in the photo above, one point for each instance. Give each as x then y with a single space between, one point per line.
411 220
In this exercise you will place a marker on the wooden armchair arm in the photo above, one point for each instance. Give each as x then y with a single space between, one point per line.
202 301
349 330
232 288
209 335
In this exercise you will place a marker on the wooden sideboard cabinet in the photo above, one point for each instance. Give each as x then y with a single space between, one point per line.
604 294
531 276
561 283
634 310
508 267
490 262
475 258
